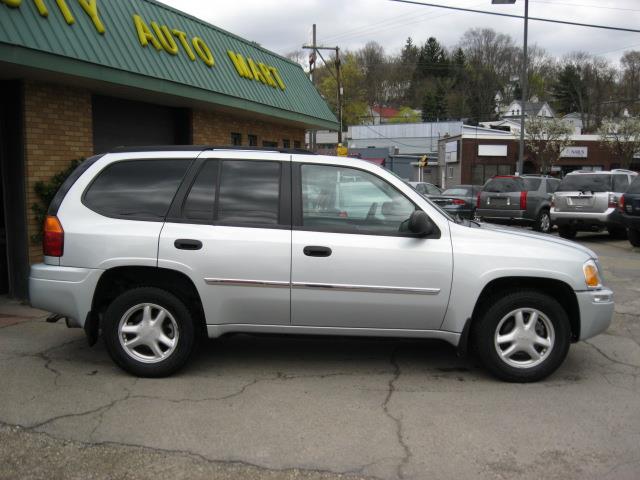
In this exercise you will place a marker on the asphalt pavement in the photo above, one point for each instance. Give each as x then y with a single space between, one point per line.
322 408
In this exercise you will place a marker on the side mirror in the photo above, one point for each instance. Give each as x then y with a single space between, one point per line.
420 224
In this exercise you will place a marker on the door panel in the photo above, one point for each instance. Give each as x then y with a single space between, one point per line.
371 281
354 263
242 274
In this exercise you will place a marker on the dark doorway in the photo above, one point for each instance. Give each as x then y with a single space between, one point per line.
14 257
118 122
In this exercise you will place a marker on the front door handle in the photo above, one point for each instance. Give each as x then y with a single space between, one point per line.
187 244
312 251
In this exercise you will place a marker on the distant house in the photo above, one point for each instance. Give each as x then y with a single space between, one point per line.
532 109
378 115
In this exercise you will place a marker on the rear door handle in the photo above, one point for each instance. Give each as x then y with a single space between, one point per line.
187 244
312 251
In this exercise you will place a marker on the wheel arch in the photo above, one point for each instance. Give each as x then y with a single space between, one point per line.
117 280
557 289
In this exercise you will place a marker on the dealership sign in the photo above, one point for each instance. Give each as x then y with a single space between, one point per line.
575 152
161 37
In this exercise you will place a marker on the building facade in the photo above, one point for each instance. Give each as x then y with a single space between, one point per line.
79 78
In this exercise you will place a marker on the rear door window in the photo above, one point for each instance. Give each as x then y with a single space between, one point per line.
552 185
504 185
586 183
532 184
136 189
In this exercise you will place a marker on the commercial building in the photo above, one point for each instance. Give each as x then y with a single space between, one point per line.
478 154
79 77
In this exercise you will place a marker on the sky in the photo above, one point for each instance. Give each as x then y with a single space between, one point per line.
284 26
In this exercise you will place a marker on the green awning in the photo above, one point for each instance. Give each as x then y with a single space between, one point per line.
148 45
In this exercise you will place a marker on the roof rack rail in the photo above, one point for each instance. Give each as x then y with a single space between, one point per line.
201 148
622 170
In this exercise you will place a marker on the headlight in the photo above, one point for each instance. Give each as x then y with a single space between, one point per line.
591 274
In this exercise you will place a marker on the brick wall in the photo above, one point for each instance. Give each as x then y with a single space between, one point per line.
58 129
215 128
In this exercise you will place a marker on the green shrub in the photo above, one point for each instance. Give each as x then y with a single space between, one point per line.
45 191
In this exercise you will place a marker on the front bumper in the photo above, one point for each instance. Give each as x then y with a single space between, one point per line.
608 218
596 311
67 291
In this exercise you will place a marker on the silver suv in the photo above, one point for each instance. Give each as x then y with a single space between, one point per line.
588 201
158 248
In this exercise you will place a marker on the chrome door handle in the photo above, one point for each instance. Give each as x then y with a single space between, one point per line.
312 251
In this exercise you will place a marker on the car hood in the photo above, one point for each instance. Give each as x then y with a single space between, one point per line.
517 232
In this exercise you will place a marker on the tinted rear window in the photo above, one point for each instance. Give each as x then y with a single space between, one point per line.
635 186
136 189
620 183
504 185
249 192
586 183
532 184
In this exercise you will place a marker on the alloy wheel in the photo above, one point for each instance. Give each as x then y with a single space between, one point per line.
524 338
148 333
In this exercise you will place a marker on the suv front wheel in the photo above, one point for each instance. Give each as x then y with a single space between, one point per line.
523 337
148 332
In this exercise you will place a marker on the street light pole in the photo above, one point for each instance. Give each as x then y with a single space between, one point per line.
524 78
524 82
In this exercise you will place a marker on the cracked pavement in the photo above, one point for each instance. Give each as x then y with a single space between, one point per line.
280 407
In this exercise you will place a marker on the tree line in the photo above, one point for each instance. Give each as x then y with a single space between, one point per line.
468 80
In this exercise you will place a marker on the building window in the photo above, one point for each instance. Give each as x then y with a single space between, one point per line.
236 139
296 144
253 140
286 143
449 172
269 144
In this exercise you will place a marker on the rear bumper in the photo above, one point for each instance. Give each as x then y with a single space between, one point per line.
609 218
491 213
67 291
596 311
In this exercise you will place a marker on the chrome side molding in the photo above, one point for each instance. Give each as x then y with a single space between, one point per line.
336 287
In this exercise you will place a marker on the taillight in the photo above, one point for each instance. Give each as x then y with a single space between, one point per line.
621 203
613 201
457 201
523 200
52 237
478 200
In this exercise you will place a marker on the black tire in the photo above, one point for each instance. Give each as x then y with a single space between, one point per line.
543 221
487 323
567 232
634 237
179 313
619 233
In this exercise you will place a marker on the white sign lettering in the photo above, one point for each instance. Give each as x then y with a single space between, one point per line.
575 152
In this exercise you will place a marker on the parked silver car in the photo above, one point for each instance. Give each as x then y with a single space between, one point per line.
588 201
155 248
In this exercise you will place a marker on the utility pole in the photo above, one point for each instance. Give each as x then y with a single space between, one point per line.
312 71
338 76
340 92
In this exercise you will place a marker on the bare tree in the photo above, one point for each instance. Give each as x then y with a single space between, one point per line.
546 139
630 81
621 138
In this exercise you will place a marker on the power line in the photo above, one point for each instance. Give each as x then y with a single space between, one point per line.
554 2
509 15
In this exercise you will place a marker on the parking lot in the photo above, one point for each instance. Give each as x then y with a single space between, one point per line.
280 407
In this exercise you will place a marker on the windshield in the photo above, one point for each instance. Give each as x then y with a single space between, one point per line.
458 192
586 183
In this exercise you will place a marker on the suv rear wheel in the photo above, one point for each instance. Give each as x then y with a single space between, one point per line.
148 332
567 231
523 337
634 237
543 222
